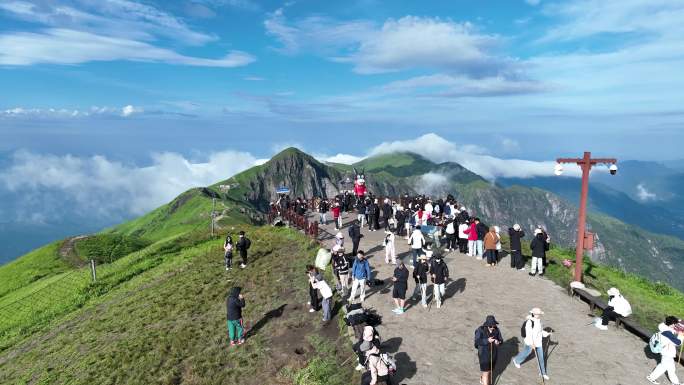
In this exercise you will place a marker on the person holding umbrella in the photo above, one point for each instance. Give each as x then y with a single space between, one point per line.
487 340
532 333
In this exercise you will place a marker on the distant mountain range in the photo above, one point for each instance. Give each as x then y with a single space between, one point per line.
634 234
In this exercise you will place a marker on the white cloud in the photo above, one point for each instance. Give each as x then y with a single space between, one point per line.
644 195
130 110
102 187
432 184
254 78
510 145
438 149
444 85
66 46
398 44
340 158
19 112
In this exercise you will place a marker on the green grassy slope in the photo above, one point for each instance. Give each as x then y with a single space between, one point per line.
167 325
40 263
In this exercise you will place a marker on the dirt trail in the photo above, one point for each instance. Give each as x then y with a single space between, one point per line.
68 252
435 347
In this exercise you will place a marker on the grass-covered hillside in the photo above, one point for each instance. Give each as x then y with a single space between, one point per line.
157 314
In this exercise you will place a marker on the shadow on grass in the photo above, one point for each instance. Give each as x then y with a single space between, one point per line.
275 313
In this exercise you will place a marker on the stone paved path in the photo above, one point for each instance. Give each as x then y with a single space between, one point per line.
435 347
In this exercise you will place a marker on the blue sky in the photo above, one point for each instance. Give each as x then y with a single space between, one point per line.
205 75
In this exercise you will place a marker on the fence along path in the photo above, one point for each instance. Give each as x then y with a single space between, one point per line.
435 346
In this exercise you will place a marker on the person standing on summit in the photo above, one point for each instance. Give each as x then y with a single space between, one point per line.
354 232
516 234
361 273
243 244
539 245
234 304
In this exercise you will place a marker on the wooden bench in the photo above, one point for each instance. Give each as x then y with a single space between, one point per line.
625 322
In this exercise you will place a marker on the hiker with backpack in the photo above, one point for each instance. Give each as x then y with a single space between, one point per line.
417 242
360 274
243 244
665 342
380 367
439 272
487 340
618 306
516 234
533 333
400 279
234 304
228 252
390 253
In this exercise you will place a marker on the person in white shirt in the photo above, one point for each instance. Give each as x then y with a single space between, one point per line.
462 238
390 254
451 236
326 293
534 333
670 339
618 306
417 242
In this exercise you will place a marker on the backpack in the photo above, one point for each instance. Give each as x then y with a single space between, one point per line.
655 344
248 243
386 359
523 332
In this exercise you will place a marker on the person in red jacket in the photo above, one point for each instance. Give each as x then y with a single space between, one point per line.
472 237
336 214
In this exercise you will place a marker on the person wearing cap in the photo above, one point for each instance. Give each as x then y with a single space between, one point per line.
420 275
534 333
440 274
390 254
378 372
515 234
339 239
487 340
340 266
369 336
671 337
618 306
400 279
539 245
360 274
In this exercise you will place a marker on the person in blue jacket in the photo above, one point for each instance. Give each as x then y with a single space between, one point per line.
361 272
487 340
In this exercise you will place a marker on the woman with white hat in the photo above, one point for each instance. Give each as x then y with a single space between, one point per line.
390 253
533 333
339 239
618 306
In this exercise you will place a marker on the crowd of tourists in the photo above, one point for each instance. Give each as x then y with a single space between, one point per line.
432 229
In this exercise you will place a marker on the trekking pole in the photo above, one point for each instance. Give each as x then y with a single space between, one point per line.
681 349
491 364
534 349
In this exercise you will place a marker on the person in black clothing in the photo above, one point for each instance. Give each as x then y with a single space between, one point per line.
400 280
539 245
400 216
516 233
487 341
242 246
420 275
439 272
373 211
355 235
341 266
386 214
234 304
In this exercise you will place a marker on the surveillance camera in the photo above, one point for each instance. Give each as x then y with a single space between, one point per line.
613 169
558 170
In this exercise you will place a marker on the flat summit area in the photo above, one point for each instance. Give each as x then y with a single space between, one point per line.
435 346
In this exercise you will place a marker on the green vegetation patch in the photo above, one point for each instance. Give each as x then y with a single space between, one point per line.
108 247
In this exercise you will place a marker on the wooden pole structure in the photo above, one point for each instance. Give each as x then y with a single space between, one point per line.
585 163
